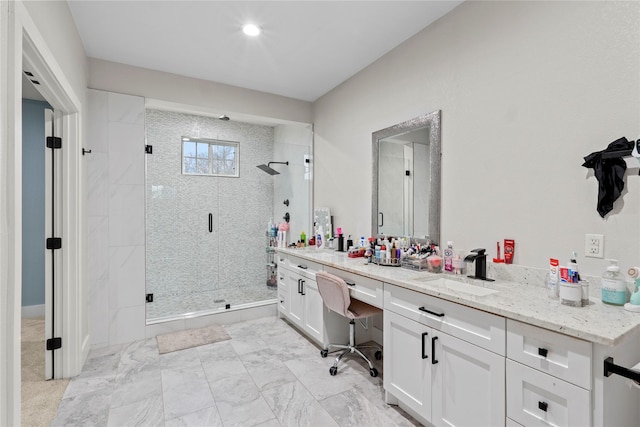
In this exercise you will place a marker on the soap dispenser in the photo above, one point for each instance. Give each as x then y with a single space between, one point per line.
614 287
634 301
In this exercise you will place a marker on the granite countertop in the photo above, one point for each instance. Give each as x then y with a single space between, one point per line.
599 323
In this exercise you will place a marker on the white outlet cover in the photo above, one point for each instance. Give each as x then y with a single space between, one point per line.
594 245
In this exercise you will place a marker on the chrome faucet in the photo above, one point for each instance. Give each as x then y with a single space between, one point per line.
480 258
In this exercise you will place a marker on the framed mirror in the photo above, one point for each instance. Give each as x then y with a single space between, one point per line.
406 179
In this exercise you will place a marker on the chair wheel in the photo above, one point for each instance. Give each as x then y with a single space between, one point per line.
373 372
378 355
333 370
324 353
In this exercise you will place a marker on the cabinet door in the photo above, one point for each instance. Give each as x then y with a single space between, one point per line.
407 362
313 310
468 384
296 299
283 290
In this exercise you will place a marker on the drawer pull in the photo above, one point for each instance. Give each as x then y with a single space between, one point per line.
431 312
433 350
543 406
543 352
303 282
424 334
304 267
349 283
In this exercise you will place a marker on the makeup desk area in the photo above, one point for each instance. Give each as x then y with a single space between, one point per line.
458 351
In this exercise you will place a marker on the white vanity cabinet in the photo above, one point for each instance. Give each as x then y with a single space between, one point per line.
303 306
548 377
443 362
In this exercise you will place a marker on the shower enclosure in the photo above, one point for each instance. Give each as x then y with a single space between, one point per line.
207 210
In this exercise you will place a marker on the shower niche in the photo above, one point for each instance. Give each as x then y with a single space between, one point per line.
207 206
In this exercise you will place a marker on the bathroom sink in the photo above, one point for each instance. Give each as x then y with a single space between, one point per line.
466 288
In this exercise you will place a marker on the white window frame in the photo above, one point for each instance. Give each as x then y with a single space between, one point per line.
211 157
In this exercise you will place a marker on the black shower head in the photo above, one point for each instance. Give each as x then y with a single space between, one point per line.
268 169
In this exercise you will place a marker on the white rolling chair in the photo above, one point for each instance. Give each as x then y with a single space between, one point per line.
335 295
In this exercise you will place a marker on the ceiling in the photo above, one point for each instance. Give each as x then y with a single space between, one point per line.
306 49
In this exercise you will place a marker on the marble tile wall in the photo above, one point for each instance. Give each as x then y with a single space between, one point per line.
115 208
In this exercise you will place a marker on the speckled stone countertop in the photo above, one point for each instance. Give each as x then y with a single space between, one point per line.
599 323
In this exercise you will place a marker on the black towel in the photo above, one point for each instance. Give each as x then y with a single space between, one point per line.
609 173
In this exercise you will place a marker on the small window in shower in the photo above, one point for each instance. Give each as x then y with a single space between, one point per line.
211 157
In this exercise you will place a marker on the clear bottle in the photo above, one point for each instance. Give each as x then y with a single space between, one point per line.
614 287
448 257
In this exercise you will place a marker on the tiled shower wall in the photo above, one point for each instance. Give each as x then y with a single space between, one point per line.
183 257
115 217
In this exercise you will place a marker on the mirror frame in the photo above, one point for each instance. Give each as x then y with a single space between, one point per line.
432 120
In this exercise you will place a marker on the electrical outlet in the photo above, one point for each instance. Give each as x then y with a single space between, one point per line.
594 245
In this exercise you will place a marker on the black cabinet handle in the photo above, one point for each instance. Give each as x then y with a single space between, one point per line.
543 406
381 219
424 334
299 286
303 282
543 352
349 283
431 312
210 223
304 267
433 350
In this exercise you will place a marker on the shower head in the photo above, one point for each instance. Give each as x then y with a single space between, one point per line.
268 169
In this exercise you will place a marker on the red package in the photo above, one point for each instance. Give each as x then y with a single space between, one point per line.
509 249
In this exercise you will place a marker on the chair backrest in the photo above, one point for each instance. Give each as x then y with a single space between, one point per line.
334 292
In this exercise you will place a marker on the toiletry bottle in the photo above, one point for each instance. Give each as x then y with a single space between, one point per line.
362 242
448 257
319 239
614 287
303 238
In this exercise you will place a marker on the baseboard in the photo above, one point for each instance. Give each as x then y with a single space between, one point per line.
33 311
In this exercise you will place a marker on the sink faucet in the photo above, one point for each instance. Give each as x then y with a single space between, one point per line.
480 258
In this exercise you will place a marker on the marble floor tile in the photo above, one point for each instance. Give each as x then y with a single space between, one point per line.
185 391
145 412
295 406
87 409
240 402
352 408
266 370
267 375
205 417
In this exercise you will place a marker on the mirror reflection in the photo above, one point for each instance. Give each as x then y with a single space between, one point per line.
406 179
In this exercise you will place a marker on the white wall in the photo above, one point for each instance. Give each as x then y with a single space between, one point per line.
526 89
116 218
215 97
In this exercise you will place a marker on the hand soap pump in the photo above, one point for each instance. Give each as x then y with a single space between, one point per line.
634 301
319 238
614 287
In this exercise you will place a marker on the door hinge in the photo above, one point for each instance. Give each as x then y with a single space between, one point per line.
54 142
148 149
54 343
149 298
54 243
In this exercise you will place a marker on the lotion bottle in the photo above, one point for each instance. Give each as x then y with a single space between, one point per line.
319 239
448 257
614 287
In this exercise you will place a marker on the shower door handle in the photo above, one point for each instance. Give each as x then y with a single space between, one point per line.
210 223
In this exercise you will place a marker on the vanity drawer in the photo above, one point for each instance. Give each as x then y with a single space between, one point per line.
565 357
303 267
475 326
363 288
537 399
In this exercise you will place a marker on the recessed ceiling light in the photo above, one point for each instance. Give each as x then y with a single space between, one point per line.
251 29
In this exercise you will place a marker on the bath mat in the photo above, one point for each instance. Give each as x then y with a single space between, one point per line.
182 340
